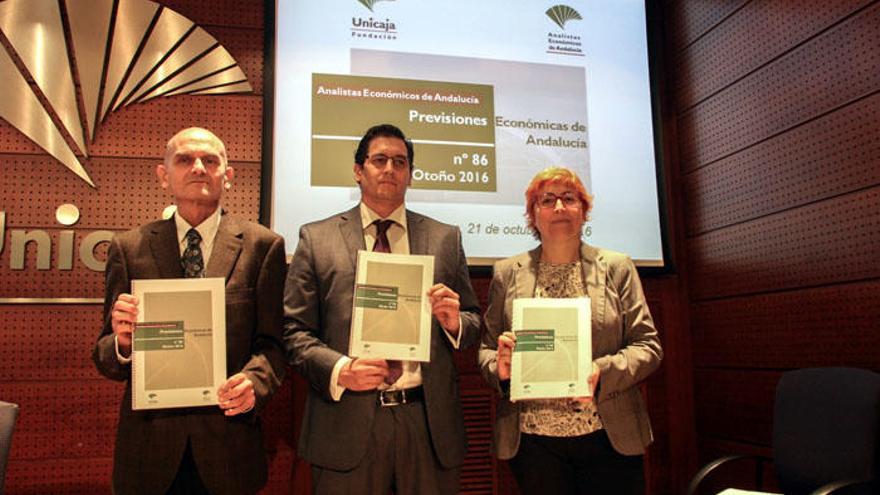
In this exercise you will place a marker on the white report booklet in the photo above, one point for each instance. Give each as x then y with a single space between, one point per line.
178 356
391 317
553 354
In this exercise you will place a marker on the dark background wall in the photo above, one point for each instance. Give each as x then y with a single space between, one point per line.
777 111
770 118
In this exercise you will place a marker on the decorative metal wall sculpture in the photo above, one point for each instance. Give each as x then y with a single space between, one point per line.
126 52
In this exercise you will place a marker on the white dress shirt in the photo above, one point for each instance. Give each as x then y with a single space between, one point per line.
207 229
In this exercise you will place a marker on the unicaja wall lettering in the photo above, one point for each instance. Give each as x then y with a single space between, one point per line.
21 238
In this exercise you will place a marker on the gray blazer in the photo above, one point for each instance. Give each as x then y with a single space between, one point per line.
317 322
625 344
227 451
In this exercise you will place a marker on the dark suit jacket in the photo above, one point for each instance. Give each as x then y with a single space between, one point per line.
625 344
228 451
317 314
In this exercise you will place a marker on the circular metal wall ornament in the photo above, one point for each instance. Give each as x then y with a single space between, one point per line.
67 214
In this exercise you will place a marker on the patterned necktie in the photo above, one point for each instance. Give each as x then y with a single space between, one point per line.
395 368
192 262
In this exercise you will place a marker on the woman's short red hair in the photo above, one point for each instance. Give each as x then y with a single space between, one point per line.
555 175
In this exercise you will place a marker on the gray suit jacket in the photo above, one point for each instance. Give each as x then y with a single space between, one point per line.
317 322
228 451
625 344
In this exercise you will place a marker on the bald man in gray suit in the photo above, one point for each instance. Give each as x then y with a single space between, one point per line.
366 429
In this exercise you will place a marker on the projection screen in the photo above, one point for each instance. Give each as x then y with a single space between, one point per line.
490 93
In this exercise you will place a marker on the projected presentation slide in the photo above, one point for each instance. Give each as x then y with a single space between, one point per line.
489 92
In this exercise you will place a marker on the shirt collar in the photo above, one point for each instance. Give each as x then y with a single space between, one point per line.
207 229
368 216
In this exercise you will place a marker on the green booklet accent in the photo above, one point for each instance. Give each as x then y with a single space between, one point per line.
158 336
375 297
535 340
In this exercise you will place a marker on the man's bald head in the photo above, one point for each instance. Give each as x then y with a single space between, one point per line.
194 134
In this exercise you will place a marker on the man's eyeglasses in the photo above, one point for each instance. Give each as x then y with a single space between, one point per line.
380 160
569 199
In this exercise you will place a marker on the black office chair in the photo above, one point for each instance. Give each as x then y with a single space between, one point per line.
8 415
826 423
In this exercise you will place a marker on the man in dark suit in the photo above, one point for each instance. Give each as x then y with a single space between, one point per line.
205 449
369 428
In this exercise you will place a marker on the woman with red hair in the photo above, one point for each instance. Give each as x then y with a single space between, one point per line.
589 445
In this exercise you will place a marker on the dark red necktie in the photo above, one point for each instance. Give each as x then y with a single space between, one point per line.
382 245
395 368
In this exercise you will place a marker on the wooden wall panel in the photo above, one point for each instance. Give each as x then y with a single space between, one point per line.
735 404
669 391
48 342
122 176
829 71
77 283
141 131
822 243
59 476
478 471
749 40
64 419
776 121
783 330
778 144
279 438
691 20
832 155
238 13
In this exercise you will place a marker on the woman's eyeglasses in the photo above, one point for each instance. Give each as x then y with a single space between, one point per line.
569 199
